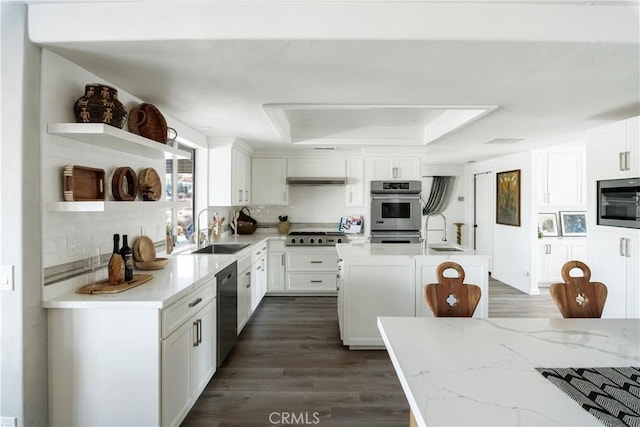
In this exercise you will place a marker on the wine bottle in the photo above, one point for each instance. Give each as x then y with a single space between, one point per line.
116 265
127 258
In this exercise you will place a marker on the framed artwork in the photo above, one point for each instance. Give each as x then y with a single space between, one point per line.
548 224
573 223
508 198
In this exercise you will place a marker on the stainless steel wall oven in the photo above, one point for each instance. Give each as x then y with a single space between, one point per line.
396 211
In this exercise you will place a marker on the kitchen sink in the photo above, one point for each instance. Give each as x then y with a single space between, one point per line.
222 248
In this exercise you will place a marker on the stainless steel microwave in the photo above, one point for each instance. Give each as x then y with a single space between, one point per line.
619 202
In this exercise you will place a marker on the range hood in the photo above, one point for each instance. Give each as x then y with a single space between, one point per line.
316 181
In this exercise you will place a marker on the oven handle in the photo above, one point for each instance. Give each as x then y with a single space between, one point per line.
397 196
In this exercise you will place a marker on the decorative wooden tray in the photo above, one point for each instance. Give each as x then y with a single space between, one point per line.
103 287
150 185
82 183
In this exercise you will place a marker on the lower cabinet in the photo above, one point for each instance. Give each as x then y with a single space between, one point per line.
135 365
554 253
188 363
614 259
372 290
258 275
311 270
244 291
276 266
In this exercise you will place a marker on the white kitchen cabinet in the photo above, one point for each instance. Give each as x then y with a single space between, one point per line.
131 366
188 357
563 178
229 177
275 266
311 269
355 188
258 275
614 150
614 259
553 253
244 291
316 168
371 290
380 168
269 181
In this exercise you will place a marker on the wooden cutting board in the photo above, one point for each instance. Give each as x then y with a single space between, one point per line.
103 287
150 184
144 250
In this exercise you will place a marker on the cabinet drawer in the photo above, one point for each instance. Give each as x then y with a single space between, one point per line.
177 313
311 281
312 262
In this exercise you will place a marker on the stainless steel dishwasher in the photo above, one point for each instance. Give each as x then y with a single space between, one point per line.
226 280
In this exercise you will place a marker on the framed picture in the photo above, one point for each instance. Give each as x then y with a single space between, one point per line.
548 224
573 223
508 198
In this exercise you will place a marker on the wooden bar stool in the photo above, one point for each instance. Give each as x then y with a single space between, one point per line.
450 297
578 297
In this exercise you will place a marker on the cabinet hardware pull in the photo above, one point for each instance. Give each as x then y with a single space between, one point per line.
316 281
248 286
195 333
627 249
621 161
282 259
246 195
316 262
199 331
240 195
623 245
248 273
548 197
626 160
194 303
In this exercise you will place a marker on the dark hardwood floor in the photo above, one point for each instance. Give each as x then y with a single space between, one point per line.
289 368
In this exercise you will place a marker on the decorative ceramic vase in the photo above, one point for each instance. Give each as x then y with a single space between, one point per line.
100 104
283 225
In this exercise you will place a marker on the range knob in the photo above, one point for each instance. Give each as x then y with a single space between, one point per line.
301 241
311 240
319 241
339 240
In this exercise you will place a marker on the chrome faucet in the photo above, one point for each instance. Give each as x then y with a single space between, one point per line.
443 229
198 242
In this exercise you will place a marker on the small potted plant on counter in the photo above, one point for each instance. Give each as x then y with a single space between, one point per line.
284 225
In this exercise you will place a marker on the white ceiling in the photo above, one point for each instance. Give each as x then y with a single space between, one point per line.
560 68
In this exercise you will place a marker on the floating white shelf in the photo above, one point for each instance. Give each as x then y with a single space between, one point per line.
110 205
75 207
116 139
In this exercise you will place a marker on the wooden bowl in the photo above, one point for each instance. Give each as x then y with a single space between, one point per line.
158 264
144 250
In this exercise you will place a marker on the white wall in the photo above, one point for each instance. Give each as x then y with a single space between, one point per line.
512 248
23 328
62 84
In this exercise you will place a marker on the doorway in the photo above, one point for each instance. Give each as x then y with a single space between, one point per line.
483 203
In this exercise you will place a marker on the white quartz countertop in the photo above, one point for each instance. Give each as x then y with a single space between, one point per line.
480 372
183 273
362 249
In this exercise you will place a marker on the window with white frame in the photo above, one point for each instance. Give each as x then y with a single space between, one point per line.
179 191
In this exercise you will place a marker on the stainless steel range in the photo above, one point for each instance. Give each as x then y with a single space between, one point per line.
315 238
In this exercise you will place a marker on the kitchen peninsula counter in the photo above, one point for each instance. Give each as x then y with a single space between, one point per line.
378 279
461 371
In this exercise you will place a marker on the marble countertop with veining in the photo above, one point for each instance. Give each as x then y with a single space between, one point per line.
480 372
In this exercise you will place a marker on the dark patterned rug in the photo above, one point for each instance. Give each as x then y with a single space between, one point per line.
612 395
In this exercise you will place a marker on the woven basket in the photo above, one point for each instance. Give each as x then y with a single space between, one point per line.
146 120
100 104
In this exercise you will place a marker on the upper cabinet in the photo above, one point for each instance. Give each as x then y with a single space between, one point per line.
562 178
393 168
614 150
354 190
269 181
229 174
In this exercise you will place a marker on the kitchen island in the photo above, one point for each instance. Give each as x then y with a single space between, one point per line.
481 372
387 280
